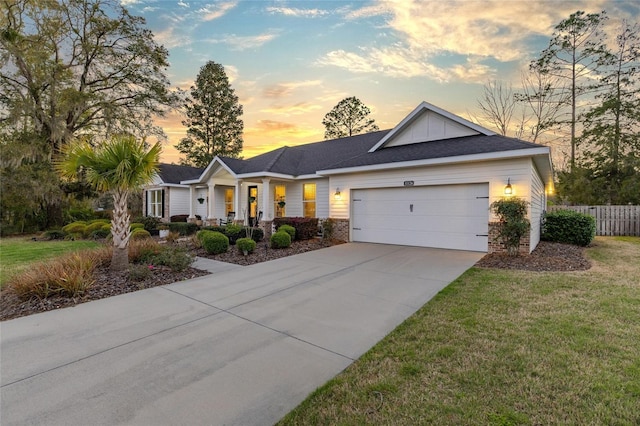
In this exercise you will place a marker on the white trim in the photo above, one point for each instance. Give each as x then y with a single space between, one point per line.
428 107
202 178
442 160
265 174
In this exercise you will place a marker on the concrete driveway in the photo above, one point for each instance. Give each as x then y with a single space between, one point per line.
242 346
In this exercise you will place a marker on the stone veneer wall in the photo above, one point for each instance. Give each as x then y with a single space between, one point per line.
267 227
341 229
496 246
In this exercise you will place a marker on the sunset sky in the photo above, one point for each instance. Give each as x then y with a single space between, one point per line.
290 62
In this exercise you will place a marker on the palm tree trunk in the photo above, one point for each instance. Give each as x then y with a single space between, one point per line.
120 231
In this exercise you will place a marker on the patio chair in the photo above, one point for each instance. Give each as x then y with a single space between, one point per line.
229 219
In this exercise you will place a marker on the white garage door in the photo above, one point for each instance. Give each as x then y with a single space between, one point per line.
445 216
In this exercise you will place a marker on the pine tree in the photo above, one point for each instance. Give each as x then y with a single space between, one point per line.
213 119
349 117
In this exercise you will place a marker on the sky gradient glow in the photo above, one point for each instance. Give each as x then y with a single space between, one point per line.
290 62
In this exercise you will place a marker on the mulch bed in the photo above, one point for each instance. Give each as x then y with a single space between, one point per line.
109 284
546 256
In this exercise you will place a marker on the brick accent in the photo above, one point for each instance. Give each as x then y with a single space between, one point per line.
496 246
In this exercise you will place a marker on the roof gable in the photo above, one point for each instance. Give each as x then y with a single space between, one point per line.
428 123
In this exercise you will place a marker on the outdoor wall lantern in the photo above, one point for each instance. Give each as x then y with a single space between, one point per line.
508 190
337 196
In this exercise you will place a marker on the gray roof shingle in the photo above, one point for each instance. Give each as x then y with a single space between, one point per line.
174 173
353 152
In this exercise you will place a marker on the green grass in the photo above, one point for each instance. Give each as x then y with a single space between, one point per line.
16 254
504 348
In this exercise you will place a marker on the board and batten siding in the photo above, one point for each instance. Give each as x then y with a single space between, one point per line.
496 173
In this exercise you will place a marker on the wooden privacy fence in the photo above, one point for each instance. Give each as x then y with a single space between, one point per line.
610 220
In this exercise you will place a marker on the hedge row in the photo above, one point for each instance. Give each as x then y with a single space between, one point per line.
567 226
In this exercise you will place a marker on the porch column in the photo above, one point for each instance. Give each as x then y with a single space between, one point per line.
237 198
211 201
266 206
192 193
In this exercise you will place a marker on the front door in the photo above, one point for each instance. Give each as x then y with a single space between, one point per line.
252 206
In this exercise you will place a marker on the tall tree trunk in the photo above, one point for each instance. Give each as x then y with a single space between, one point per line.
120 231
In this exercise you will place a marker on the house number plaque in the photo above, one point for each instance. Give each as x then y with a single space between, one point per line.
408 183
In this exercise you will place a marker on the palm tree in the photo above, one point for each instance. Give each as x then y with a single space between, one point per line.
119 166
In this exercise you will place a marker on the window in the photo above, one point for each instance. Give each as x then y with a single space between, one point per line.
279 200
228 201
309 199
156 203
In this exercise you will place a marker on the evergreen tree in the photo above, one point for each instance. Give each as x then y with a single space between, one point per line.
349 117
213 119
572 55
612 128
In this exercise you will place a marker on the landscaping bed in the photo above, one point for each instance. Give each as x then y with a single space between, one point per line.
547 256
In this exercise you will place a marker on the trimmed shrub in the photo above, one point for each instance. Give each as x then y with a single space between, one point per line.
255 233
233 232
150 223
306 227
289 230
215 242
140 234
75 228
280 240
103 221
567 226
53 234
245 244
214 228
93 226
183 228
201 234
136 225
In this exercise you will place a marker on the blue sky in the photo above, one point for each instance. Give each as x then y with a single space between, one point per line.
290 62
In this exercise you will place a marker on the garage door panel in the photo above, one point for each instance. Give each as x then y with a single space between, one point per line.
447 216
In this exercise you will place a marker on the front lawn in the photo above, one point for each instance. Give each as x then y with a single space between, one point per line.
17 253
504 348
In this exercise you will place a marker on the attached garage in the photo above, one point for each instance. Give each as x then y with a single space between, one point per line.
443 216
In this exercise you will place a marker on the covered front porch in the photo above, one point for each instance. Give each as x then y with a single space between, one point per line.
221 195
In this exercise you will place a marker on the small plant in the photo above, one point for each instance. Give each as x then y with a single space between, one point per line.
280 240
245 245
140 234
136 225
140 251
140 272
93 226
289 230
172 237
175 258
215 242
328 226
514 225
